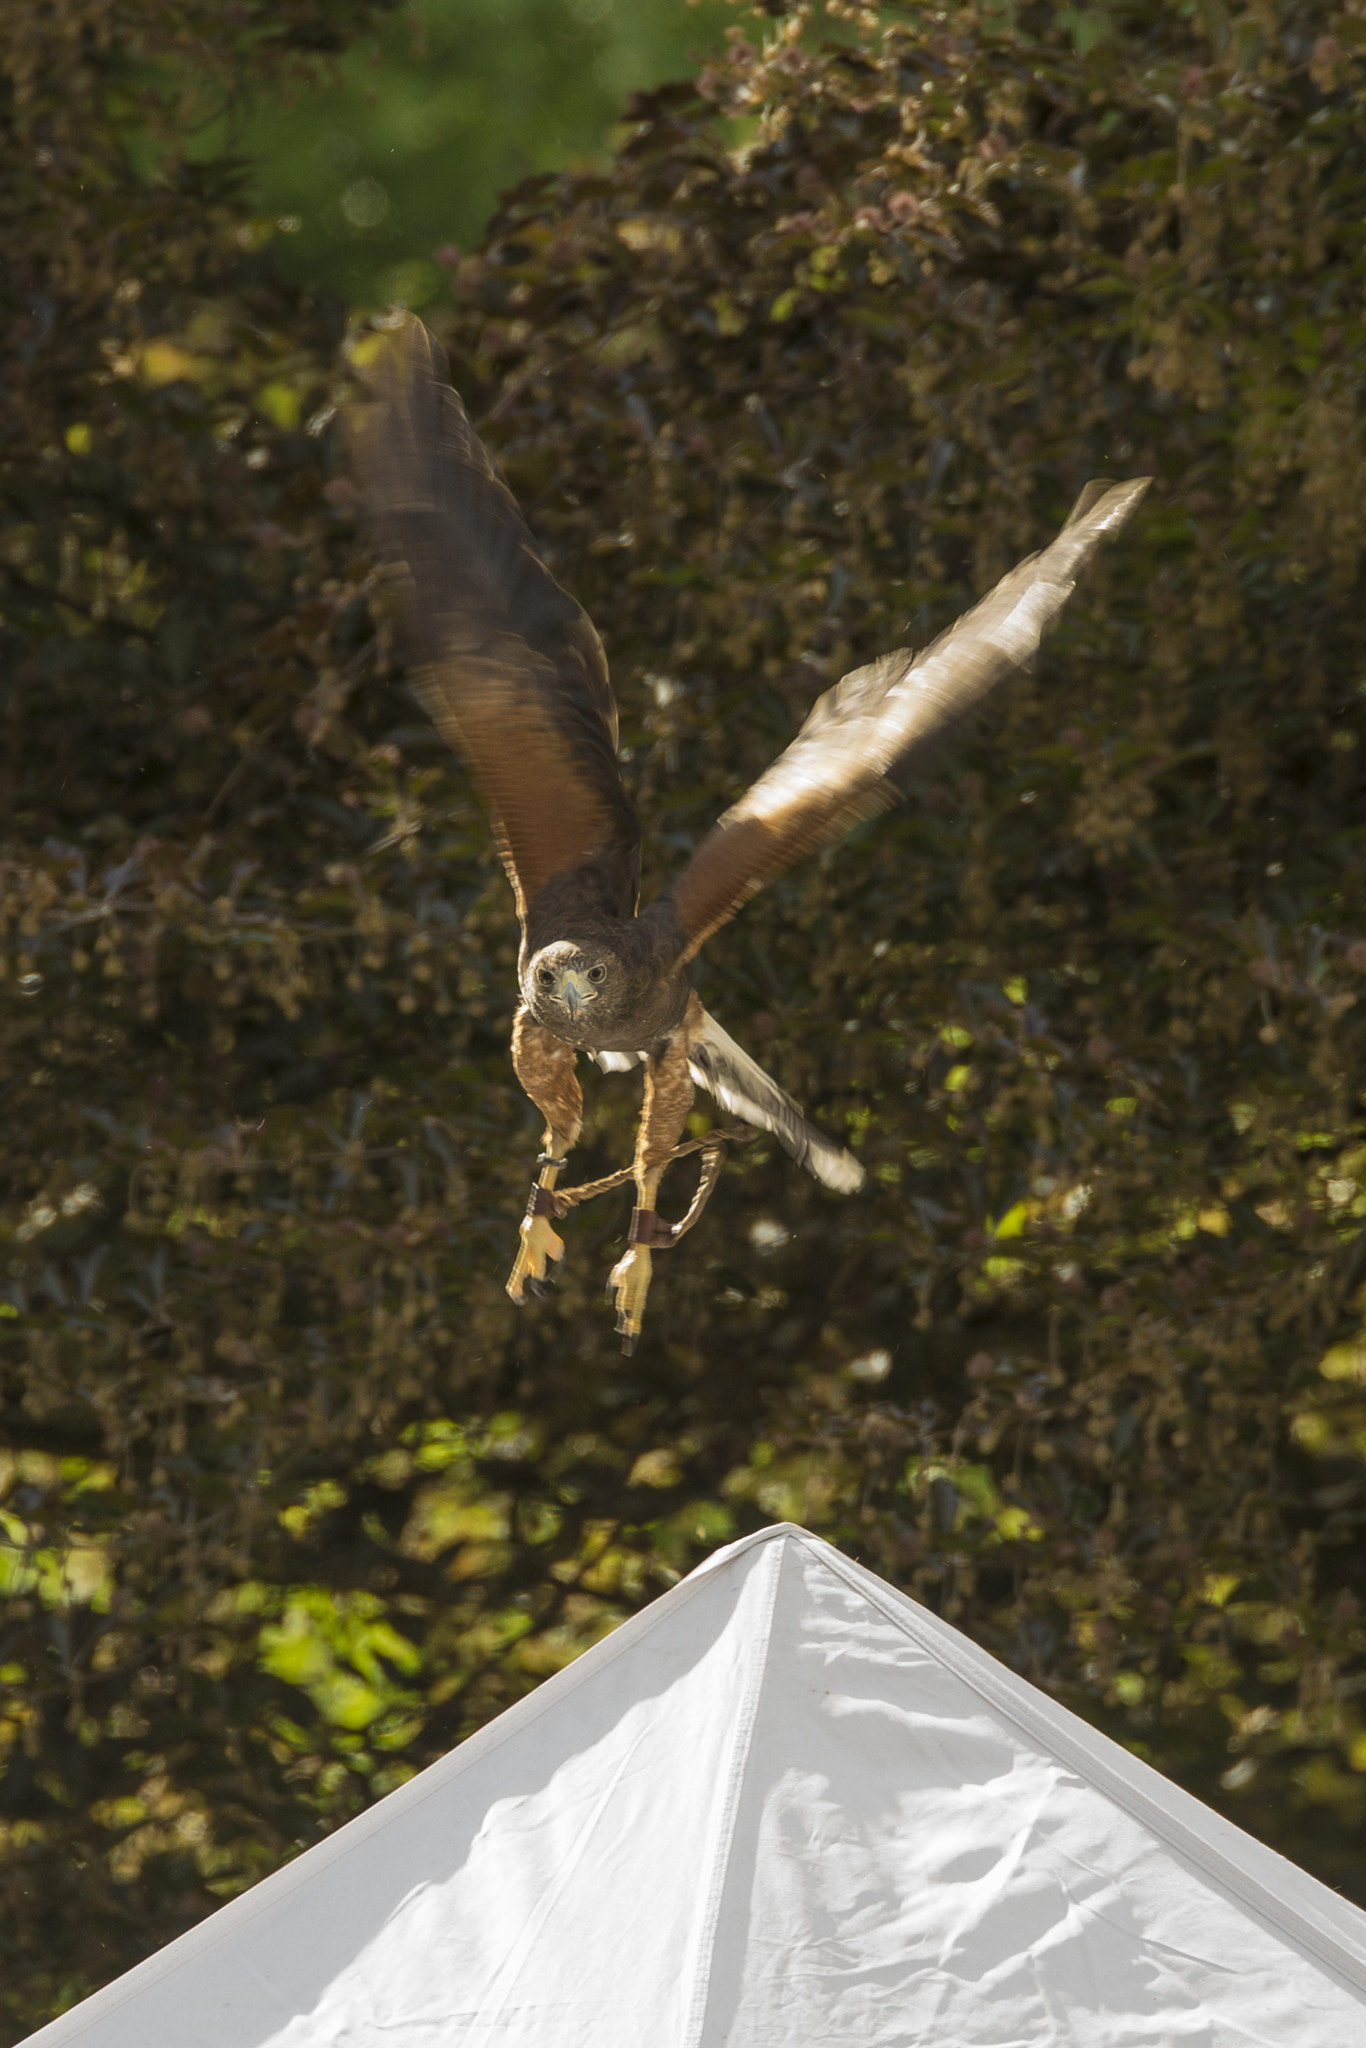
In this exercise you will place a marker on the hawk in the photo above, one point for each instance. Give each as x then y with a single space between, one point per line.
514 676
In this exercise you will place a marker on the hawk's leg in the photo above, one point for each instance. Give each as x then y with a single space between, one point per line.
545 1068
668 1098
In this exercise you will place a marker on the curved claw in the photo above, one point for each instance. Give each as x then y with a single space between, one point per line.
631 1283
540 1248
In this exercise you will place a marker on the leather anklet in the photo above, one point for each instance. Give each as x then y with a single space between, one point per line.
649 1228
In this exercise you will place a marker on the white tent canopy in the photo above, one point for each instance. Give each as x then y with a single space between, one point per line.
785 1807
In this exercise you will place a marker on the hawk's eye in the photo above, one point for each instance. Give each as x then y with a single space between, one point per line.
597 973
544 978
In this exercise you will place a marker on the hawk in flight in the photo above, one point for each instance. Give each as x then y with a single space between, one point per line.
514 676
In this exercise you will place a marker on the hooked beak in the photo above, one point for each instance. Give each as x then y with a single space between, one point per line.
576 991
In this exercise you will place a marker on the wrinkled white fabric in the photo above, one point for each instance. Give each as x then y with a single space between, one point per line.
783 1808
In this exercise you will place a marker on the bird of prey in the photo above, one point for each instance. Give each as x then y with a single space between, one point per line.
513 674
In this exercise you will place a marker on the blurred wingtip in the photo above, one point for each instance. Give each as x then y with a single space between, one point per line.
838 1169
401 353
1112 502
394 423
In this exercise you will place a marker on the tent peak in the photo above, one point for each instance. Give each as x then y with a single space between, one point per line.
784 1802
774 1532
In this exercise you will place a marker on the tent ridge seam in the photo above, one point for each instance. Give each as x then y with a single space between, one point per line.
774 1560
961 1654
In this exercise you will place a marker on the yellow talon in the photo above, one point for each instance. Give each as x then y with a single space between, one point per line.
539 1245
631 1281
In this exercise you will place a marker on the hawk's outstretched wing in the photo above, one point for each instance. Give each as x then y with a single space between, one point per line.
862 736
511 668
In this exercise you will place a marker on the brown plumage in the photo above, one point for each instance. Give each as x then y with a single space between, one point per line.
514 675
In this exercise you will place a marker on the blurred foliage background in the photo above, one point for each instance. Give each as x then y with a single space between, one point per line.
391 162
293 1498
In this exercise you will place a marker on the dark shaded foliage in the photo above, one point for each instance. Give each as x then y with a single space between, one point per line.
295 1498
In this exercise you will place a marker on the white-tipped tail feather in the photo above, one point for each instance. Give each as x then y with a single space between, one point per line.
718 1064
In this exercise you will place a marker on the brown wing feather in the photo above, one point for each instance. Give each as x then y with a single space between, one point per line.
511 668
863 735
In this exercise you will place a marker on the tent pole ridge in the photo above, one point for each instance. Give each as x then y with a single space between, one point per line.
976 1667
772 1566
507 1979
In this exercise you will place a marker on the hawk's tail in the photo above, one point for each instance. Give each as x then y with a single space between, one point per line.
718 1064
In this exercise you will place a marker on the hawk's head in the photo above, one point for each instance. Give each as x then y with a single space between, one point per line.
601 996
566 982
